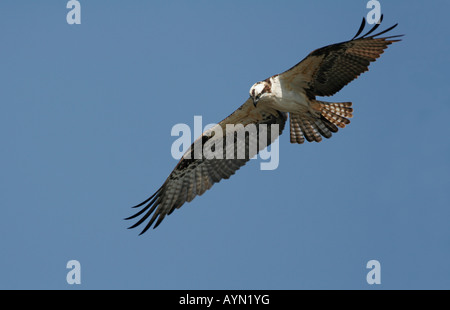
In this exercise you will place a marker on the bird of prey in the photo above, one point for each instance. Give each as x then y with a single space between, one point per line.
323 72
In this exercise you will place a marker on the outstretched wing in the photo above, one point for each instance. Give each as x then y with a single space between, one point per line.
201 167
327 70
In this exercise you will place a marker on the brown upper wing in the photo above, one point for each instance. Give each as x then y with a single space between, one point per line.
194 174
327 70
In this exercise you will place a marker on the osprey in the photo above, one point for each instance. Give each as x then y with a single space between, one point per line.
323 72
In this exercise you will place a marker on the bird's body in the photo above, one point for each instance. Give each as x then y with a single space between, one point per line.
281 96
323 72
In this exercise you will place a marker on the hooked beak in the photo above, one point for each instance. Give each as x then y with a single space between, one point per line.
255 102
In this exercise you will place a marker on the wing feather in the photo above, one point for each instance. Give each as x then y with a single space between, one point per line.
192 177
327 70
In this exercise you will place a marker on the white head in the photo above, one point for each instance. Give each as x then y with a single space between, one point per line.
260 90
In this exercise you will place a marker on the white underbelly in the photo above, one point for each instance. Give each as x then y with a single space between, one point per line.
294 104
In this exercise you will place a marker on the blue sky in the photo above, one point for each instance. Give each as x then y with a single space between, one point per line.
86 116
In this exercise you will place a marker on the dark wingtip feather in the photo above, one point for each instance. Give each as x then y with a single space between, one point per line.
135 215
157 214
392 37
383 32
145 209
361 28
366 36
374 27
145 229
160 219
148 199
134 225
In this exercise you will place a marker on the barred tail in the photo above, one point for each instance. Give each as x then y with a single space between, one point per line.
314 126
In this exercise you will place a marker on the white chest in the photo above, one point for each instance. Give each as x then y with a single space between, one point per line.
286 99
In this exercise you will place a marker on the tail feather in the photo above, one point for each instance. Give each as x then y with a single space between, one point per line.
312 126
323 129
336 113
312 131
296 130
